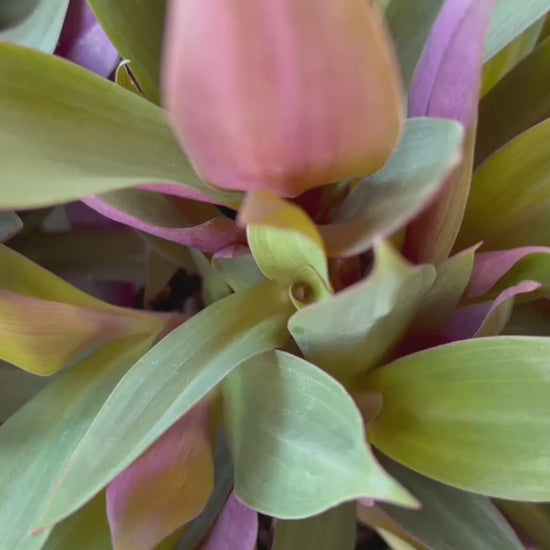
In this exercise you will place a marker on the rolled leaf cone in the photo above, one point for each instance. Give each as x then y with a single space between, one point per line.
282 95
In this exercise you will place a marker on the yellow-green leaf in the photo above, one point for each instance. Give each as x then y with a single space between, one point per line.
472 414
282 237
509 202
351 332
47 158
334 529
164 384
38 440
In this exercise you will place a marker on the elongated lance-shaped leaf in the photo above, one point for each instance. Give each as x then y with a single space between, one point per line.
472 414
297 440
522 95
352 331
38 440
410 24
238 267
47 158
136 28
508 22
449 519
164 384
515 212
382 203
87 528
164 216
33 23
332 529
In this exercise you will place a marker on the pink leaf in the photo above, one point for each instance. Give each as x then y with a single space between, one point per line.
166 487
282 95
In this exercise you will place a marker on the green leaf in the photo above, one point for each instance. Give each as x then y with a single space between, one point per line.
382 203
449 519
507 22
47 158
514 211
451 279
472 414
518 102
297 440
282 237
46 322
104 254
16 388
430 237
164 384
32 23
511 55
410 24
238 268
86 529
10 224
136 28
334 529
37 441
354 330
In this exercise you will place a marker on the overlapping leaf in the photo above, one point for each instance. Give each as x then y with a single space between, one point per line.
472 414
297 440
334 528
164 385
352 331
45 102
380 204
38 440
166 487
136 29
515 212
33 23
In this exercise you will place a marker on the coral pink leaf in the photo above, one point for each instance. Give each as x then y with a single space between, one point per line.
166 487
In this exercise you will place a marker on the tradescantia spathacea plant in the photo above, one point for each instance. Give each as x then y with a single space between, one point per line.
275 274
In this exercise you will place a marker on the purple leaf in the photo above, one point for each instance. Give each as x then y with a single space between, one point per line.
489 267
487 318
235 529
210 236
84 42
448 76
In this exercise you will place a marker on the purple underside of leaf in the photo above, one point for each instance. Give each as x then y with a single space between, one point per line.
447 79
84 42
235 529
467 320
490 267
209 236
